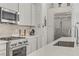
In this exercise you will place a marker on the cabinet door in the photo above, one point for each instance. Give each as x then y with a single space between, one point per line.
33 44
25 13
3 53
28 49
34 14
12 6
50 26
39 42
2 49
44 36
29 46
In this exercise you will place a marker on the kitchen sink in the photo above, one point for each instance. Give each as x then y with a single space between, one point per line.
64 44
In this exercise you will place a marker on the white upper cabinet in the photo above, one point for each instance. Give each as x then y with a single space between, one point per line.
33 14
25 14
36 14
12 6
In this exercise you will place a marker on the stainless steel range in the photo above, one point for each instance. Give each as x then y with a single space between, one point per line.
16 46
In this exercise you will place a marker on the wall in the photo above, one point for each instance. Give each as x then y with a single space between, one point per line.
8 30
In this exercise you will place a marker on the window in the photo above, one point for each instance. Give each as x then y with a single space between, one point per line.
68 4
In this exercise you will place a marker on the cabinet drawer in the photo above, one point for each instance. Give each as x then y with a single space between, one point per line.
3 53
2 46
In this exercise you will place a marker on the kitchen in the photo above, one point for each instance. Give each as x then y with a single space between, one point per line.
31 29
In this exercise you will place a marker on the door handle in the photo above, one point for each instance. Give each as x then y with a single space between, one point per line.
70 32
76 35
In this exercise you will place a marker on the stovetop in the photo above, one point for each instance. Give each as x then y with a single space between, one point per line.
11 38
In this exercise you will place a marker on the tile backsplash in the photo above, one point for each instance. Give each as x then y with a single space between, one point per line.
9 30
20 31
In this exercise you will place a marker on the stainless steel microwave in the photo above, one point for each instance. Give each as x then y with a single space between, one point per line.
8 16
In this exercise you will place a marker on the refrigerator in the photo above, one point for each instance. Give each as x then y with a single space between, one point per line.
62 25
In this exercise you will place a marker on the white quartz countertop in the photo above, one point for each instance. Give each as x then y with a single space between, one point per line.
28 36
51 50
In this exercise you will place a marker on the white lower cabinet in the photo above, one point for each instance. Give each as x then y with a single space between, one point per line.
39 42
2 49
3 53
31 45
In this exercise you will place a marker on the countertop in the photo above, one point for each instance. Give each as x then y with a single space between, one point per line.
34 36
29 36
5 41
51 50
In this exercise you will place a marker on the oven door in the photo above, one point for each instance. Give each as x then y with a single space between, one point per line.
19 51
